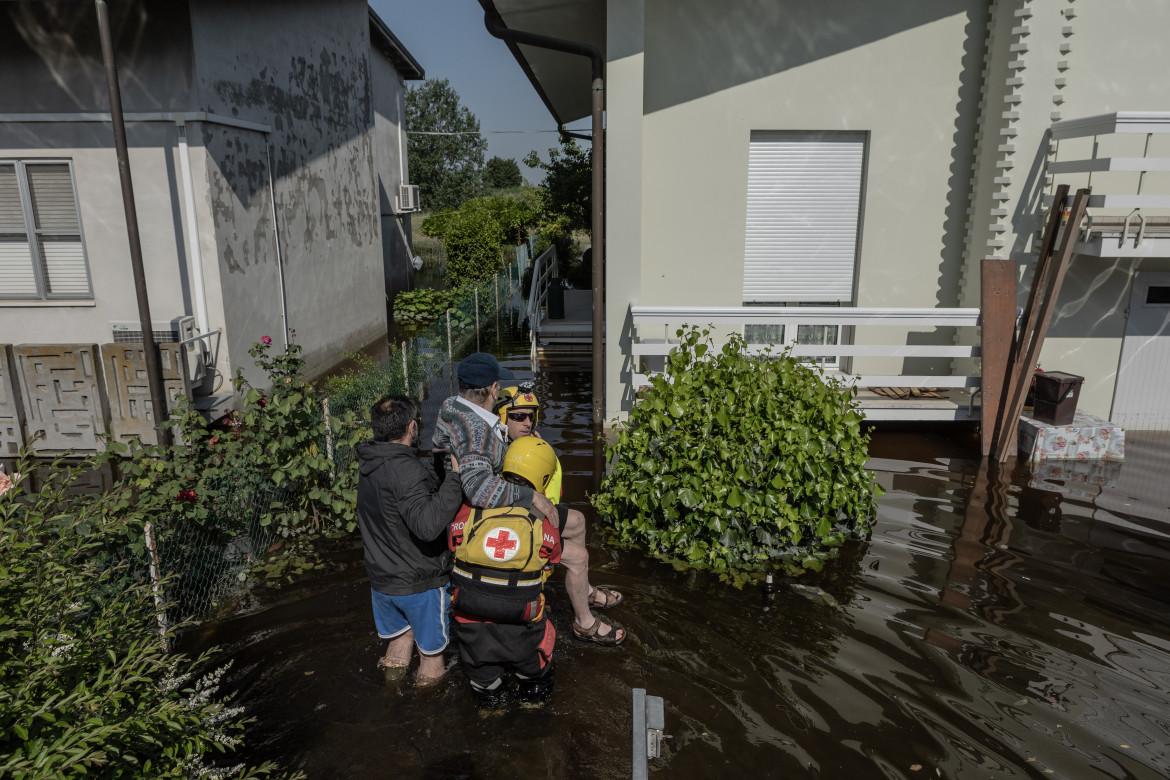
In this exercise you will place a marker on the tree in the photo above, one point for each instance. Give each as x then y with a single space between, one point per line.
448 169
567 189
500 174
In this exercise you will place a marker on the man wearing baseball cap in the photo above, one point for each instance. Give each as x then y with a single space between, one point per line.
471 431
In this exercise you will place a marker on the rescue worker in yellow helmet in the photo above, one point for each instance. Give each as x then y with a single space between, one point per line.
502 559
519 409
519 412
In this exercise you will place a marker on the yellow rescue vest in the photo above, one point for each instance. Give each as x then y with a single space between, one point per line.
498 573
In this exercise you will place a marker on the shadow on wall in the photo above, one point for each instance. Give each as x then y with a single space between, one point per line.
55 49
784 36
954 236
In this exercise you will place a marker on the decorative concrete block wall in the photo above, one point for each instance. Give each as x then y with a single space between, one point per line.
62 395
128 391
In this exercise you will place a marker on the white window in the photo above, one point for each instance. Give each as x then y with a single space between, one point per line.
41 250
803 205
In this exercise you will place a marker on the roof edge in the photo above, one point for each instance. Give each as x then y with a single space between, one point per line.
388 43
489 7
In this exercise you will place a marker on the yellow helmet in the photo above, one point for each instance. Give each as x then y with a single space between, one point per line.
532 459
520 397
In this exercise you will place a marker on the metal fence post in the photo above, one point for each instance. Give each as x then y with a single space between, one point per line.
450 355
328 428
155 585
405 371
477 319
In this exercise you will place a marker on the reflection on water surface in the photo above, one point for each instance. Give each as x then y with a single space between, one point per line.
994 625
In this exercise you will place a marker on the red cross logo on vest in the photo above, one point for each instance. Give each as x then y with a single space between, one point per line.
503 546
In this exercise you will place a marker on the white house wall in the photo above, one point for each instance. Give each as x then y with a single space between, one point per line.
302 68
1063 59
907 73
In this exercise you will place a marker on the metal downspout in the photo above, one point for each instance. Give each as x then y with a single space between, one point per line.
197 283
496 27
276 236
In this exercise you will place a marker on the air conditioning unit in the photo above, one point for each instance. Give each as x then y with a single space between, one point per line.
130 331
407 198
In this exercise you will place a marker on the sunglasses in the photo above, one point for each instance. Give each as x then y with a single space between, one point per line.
521 416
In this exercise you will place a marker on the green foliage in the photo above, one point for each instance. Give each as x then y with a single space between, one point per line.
500 174
567 189
475 234
360 365
448 169
277 439
86 688
733 462
423 306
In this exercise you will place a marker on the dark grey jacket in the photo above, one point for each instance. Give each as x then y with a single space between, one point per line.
403 511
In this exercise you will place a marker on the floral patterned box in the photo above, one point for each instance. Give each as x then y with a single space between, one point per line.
1088 438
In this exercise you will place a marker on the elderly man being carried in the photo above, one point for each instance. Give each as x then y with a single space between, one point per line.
469 427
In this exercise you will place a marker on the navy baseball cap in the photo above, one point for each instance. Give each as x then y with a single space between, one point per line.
481 369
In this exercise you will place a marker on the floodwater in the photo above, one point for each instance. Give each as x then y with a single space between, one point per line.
994 625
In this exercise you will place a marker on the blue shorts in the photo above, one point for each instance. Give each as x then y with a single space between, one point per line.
425 613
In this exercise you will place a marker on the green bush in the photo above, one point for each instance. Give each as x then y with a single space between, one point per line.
275 441
86 688
423 306
475 234
733 463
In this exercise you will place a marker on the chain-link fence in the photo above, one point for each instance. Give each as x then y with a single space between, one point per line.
208 563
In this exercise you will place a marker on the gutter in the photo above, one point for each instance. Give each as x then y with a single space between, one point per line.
495 25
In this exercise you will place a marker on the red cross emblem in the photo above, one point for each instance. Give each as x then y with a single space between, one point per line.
504 546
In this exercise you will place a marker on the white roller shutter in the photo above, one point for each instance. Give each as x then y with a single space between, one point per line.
804 198
16 268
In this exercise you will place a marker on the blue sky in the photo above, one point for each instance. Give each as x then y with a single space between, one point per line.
448 39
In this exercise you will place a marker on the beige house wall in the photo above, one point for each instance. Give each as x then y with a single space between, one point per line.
713 73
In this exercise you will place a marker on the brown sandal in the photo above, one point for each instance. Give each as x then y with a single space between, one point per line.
591 634
612 597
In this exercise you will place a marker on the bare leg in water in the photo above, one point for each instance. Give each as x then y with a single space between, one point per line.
575 557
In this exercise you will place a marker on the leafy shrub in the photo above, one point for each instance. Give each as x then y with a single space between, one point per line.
733 462
86 688
423 306
276 440
474 235
360 365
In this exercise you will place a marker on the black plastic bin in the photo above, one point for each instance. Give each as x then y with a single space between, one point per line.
1056 397
556 299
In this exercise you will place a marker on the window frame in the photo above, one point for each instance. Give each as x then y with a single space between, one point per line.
34 234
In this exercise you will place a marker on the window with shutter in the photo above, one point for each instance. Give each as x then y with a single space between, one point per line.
803 202
41 250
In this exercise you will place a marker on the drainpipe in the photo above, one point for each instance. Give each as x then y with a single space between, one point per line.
197 282
496 27
276 237
154 377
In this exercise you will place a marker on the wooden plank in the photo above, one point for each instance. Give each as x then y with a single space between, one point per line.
1031 309
998 303
1007 439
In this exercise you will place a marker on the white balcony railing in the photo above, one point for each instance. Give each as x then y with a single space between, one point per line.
650 345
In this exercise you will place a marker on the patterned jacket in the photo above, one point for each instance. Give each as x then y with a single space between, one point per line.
480 453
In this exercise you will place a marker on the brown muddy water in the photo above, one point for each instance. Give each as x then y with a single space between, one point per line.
996 624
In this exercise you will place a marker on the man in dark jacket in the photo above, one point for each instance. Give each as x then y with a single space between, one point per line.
403 511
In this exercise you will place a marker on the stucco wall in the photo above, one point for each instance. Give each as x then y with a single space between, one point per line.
304 69
1061 59
52 61
388 92
712 73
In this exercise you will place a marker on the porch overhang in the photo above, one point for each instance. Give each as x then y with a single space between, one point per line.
562 80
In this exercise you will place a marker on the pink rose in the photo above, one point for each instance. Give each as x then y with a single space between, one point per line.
266 340
6 483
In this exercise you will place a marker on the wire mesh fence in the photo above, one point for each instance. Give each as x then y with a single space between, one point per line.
206 565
